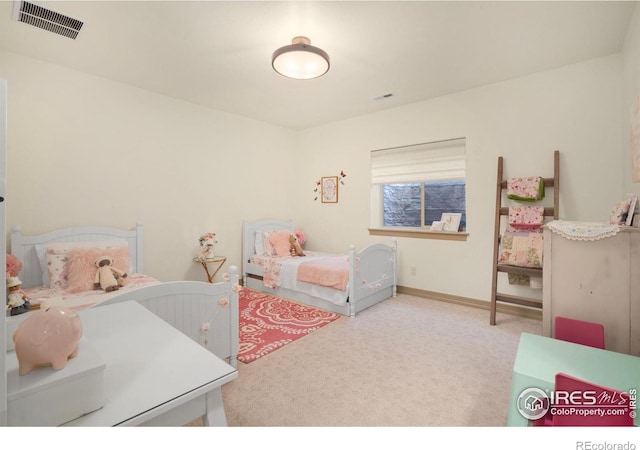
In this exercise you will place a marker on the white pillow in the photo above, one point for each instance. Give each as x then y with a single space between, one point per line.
259 246
41 253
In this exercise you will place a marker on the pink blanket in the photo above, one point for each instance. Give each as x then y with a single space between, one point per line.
46 296
332 271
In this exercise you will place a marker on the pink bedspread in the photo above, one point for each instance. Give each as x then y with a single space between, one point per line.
46 296
332 271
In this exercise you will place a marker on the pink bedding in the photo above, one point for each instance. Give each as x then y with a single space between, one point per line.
272 266
328 271
332 271
46 296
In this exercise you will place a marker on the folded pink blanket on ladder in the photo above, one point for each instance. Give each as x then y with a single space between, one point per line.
332 271
526 216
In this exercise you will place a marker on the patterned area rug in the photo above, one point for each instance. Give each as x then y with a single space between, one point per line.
268 323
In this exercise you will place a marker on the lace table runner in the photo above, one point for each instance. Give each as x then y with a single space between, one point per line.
583 231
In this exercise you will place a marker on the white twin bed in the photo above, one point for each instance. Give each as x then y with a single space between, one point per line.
355 281
207 313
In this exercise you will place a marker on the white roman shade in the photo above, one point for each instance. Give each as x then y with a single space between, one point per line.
434 161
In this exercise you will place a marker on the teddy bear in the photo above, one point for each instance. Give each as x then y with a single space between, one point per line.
108 278
295 248
17 300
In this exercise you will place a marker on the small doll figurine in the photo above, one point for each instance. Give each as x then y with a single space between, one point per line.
17 300
108 278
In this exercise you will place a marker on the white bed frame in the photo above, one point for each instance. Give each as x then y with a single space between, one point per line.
372 265
193 307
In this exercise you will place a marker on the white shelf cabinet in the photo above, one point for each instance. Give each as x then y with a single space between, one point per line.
598 281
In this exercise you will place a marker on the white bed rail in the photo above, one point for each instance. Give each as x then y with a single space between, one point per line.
375 280
206 312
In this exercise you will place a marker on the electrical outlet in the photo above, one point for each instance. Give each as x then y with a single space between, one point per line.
413 270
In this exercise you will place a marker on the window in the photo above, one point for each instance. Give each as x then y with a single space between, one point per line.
412 186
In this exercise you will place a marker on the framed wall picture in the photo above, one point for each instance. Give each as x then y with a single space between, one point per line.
329 189
451 221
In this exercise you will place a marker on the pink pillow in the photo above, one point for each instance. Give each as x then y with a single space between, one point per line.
82 269
280 243
56 258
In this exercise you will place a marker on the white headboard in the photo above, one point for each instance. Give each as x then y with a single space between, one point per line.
249 234
24 247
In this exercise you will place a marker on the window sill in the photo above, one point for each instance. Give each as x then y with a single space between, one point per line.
419 233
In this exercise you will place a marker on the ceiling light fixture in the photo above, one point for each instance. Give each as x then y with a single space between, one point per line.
300 60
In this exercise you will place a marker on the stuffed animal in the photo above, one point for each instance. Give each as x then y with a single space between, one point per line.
206 246
295 248
17 300
108 278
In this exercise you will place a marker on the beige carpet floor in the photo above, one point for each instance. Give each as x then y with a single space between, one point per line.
407 361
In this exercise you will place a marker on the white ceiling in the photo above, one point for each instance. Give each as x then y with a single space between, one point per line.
218 54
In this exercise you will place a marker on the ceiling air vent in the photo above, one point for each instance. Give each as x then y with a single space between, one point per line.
383 96
46 19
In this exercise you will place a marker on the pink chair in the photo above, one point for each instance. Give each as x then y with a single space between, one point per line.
614 404
579 332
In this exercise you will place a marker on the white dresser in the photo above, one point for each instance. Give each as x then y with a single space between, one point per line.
598 281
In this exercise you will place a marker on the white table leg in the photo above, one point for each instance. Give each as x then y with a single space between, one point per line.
214 416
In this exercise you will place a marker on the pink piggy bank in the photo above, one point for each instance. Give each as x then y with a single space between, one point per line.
48 337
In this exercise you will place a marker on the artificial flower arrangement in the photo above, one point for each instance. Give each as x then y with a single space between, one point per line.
207 242
14 266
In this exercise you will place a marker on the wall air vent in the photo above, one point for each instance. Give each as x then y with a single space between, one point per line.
383 96
46 19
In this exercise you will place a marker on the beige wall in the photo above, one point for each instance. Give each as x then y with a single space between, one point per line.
83 150
631 83
575 109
